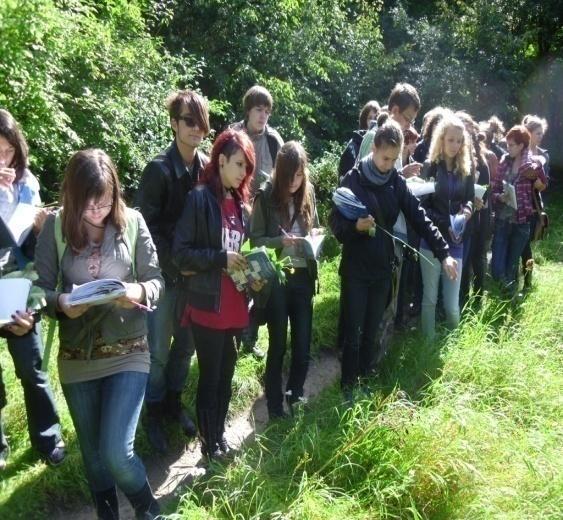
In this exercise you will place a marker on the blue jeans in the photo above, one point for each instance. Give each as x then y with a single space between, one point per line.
169 363
431 274
42 419
105 413
292 301
509 242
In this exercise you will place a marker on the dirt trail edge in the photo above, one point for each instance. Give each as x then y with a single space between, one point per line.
169 474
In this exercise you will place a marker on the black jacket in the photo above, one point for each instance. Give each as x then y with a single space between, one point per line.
369 258
161 198
441 204
198 247
350 154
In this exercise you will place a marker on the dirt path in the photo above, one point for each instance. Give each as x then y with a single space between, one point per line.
169 474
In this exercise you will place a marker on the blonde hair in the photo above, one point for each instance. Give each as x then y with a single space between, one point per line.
532 123
463 157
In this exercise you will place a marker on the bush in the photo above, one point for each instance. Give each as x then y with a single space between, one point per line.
84 76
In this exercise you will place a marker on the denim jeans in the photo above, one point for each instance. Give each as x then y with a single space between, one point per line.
431 274
509 242
42 419
294 302
216 356
169 363
105 413
363 305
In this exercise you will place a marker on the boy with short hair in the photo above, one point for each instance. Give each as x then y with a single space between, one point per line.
165 184
403 107
258 104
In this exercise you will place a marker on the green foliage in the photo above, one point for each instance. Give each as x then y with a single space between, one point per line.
83 74
313 56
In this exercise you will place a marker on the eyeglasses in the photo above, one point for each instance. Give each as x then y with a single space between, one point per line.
409 120
188 120
93 209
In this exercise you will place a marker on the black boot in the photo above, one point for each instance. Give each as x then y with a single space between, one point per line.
221 419
144 503
154 426
206 420
176 411
107 506
4 448
528 270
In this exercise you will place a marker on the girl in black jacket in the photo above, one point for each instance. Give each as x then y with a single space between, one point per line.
367 261
285 212
452 200
207 241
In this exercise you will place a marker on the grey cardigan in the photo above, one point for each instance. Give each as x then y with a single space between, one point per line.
116 323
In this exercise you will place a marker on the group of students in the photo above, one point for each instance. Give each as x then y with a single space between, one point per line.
173 253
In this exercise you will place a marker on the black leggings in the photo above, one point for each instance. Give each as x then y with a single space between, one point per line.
216 356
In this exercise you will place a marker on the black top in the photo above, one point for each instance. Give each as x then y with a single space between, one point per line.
450 196
161 197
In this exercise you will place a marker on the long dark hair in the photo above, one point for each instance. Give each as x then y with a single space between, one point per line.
89 175
228 143
10 130
290 159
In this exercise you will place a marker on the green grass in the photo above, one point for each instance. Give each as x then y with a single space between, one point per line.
468 427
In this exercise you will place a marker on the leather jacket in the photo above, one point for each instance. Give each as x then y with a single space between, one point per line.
198 247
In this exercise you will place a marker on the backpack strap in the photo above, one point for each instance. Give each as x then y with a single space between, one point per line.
59 239
130 235
273 145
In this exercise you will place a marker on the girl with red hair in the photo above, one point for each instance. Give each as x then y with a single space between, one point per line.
516 175
207 241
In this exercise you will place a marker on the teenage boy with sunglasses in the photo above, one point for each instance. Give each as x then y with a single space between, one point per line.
165 183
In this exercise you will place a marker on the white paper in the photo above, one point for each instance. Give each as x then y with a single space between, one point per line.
510 191
420 187
17 228
311 245
13 297
480 191
97 292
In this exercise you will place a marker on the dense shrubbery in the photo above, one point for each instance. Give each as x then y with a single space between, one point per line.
78 76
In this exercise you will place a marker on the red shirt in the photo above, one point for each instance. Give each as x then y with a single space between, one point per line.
233 308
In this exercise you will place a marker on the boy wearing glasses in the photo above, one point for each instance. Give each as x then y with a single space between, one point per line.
258 104
403 106
165 184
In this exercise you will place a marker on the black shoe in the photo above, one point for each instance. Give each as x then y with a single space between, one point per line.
4 457
107 505
249 348
55 457
176 412
154 426
275 415
144 503
224 446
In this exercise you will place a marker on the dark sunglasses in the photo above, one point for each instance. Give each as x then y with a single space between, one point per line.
189 120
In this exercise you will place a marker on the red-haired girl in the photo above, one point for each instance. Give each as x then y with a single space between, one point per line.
208 239
517 175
